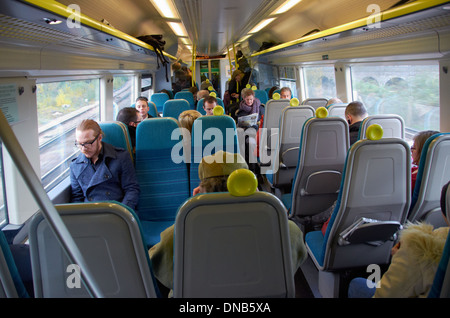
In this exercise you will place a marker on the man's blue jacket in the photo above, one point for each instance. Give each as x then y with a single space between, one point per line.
114 179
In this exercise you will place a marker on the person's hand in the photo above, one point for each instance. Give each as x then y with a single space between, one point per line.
196 191
395 249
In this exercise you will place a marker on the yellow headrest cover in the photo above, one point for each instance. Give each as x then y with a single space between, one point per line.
294 102
321 112
374 132
242 182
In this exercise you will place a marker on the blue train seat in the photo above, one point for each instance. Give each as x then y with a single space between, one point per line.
441 283
153 111
262 96
232 246
109 237
159 99
323 148
116 133
432 175
370 209
162 175
174 107
187 95
209 135
11 284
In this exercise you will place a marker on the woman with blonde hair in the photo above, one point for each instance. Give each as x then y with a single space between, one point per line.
416 150
186 120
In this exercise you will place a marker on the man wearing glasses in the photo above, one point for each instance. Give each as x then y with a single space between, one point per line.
101 172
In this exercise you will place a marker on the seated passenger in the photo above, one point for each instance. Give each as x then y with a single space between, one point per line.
143 108
131 117
194 90
249 104
355 112
208 105
416 150
186 120
202 94
414 263
285 93
271 91
101 172
332 101
213 178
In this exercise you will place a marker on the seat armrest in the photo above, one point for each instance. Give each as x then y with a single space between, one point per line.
369 231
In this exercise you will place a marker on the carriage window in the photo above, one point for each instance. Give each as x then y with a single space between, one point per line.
3 214
411 91
146 85
287 79
61 106
319 82
123 86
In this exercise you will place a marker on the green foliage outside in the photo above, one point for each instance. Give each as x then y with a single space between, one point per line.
60 98
415 98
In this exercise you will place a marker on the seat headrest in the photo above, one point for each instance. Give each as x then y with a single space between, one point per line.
374 132
294 102
276 96
242 182
321 112
218 110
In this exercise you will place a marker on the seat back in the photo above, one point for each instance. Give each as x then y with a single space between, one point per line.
323 149
162 174
116 133
174 107
209 135
186 95
11 285
261 95
432 175
286 153
271 125
441 282
315 102
337 110
393 125
376 185
153 111
230 246
159 99
109 237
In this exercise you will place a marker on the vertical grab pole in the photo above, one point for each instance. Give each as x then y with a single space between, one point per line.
52 216
194 49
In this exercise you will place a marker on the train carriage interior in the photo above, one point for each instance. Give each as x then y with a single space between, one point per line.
65 61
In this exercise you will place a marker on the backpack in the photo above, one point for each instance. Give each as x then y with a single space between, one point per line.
157 42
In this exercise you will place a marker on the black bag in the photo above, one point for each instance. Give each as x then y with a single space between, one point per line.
157 42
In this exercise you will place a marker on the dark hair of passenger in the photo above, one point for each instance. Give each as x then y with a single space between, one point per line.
127 115
210 99
356 109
